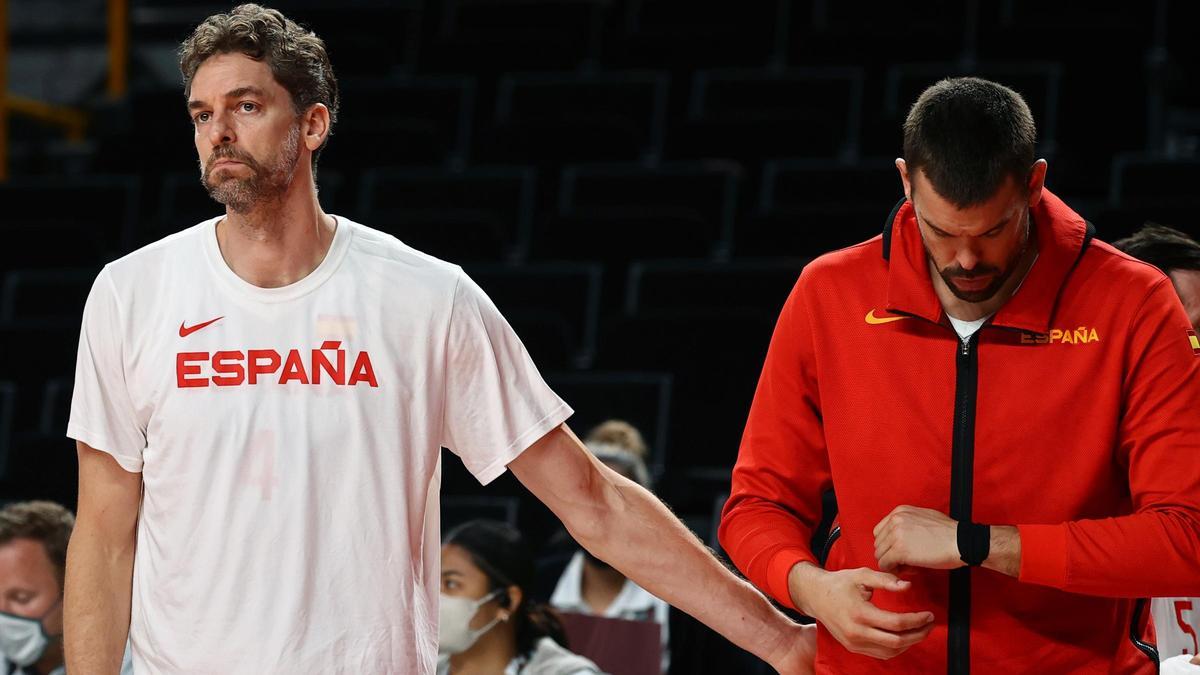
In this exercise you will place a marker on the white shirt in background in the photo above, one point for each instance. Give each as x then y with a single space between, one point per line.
633 603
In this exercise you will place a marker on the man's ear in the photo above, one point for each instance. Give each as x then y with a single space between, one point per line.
902 167
315 126
1037 181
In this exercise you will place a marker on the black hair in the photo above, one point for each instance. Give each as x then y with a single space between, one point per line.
1164 247
499 550
969 135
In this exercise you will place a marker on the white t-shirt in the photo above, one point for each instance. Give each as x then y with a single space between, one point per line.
966 329
288 440
1176 626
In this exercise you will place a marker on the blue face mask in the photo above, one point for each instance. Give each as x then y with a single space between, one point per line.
24 640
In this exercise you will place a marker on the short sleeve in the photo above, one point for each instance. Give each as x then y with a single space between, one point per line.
102 411
496 403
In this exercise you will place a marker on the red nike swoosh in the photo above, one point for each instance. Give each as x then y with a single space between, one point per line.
185 331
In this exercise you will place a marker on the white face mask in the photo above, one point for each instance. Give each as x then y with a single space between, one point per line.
24 640
454 628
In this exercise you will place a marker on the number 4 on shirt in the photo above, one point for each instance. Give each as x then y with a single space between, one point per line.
258 464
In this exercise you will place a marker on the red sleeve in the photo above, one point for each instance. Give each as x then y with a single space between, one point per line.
1155 551
782 467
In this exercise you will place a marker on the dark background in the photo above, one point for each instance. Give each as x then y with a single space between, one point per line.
636 183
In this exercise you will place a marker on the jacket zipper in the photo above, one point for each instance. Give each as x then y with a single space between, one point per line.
962 470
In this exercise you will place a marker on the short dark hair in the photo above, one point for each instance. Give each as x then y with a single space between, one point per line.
42 521
296 56
969 135
1164 247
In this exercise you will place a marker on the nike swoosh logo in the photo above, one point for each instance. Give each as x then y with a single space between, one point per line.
185 331
875 320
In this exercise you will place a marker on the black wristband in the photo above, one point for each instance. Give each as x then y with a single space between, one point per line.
974 542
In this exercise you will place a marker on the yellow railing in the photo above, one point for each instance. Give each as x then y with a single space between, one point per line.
118 47
73 121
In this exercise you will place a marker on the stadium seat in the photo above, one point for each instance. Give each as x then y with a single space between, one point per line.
657 33
557 117
715 353
641 398
402 121
490 36
1147 181
761 114
553 307
665 287
56 405
461 215
54 296
809 207
66 220
615 212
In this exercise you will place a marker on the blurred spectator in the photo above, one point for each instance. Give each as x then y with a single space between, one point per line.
621 434
591 586
33 556
488 624
1174 253
1176 620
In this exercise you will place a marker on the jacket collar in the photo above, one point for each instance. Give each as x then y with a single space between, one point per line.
1062 237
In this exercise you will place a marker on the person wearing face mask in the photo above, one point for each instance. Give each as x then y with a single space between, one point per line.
487 625
591 586
33 555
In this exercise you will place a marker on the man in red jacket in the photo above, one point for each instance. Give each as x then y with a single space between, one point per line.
1006 407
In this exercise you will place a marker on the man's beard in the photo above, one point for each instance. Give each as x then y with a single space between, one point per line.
265 183
1000 277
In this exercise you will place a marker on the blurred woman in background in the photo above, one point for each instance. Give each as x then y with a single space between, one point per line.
488 624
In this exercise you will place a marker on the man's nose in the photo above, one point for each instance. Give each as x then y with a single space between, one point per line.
220 131
967 257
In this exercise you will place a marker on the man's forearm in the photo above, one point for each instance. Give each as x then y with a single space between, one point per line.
646 542
99 580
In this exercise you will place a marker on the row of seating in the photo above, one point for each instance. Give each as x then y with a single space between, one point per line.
604 212
453 34
627 115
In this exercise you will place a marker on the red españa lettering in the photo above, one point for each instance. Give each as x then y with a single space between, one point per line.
236 367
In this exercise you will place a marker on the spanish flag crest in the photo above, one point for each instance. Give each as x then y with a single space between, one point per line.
1195 342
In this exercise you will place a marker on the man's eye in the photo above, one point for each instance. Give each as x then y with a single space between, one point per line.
249 107
202 117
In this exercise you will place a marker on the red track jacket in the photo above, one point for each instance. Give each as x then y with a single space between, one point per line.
1073 414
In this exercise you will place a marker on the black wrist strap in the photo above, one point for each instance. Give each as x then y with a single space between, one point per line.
974 542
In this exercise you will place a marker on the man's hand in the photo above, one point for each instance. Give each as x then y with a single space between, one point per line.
796 656
841 601
911 535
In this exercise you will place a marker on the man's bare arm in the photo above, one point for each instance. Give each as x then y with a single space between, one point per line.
623 524
99 577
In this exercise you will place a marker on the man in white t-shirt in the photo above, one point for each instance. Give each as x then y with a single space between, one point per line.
259 405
